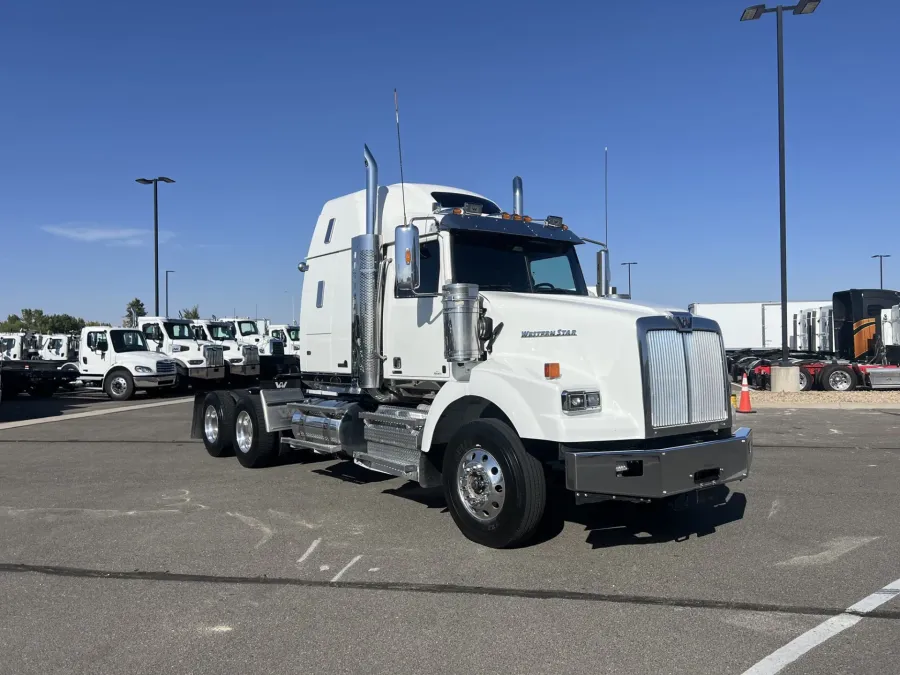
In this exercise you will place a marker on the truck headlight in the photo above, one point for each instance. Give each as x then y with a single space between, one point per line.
580 401
143 369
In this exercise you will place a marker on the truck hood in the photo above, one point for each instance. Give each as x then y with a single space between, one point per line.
148 358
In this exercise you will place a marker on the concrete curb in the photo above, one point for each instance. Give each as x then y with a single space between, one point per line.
823 405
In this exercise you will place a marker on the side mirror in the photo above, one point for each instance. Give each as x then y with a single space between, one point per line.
102 346
406 247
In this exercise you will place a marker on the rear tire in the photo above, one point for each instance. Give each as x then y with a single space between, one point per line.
254 446
806 379
218 424
496 491
837 377
119 385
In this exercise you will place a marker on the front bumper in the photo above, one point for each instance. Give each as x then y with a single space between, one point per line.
663 472
206 373
244 370
151 381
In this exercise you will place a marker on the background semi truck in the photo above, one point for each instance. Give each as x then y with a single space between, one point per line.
461 349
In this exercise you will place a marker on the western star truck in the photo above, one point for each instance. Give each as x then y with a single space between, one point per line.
461 349
273 360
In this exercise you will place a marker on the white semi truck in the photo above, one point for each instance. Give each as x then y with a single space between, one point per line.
289 335
273 359
118 361
462 349
198 362
241 361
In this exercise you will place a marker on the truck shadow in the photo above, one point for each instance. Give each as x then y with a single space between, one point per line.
25 407
614 524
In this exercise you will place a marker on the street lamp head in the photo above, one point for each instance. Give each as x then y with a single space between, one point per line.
754 12
806 6
143 181
629 263
165 180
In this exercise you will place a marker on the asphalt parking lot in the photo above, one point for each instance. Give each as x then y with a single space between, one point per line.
127 549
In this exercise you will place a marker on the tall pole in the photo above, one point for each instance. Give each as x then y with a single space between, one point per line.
156 247
781 186
606 196
881 272
629 281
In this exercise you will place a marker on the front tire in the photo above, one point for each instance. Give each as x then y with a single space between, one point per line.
218 424
255 447
119 385
496 491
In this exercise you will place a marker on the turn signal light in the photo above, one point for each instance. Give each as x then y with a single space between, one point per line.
551 371
527 219
457 211
516 216
505 215
408 257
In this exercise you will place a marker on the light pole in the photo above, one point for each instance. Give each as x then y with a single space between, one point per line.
629 275
168 272
881 268
750 14
155 182
293 309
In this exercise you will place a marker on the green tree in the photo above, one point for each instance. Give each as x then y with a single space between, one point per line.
35 320
133 308
64 323
13 324
190 312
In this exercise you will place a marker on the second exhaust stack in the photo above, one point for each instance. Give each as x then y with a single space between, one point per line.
517 196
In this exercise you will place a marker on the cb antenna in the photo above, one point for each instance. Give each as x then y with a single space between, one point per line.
606 192
400 153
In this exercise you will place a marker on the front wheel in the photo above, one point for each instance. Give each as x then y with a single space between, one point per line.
495 489
119 385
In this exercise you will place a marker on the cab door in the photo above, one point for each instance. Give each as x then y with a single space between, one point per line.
95 354
413 328
153 335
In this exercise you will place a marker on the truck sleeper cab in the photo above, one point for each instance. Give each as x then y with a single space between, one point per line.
241 361
118 361
197 362
461 349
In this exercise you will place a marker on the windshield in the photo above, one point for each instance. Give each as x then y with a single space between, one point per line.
178 331
7 344
294 334
248 328
516 264
221 331
127 341
199 333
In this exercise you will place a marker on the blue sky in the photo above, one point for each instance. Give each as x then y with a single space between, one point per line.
259 111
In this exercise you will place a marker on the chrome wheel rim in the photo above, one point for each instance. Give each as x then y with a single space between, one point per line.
211 424
118 385
803 380
243 431
839 380
480 484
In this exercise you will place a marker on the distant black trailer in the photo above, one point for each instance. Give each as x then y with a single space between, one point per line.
40 379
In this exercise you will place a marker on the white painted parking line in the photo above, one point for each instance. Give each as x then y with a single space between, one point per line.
826 630
90 413
346 567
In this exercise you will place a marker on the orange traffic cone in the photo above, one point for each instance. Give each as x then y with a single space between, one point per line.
744 405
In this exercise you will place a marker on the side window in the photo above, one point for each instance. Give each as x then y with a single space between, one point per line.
95 340
151 331
329 231
278 335
430 272
320 294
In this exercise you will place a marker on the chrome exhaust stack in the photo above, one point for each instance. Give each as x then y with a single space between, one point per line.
518 208
603 273
365 257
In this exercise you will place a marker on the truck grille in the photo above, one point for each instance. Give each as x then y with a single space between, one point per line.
165 367
276 347
215 356
686 378
250 354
